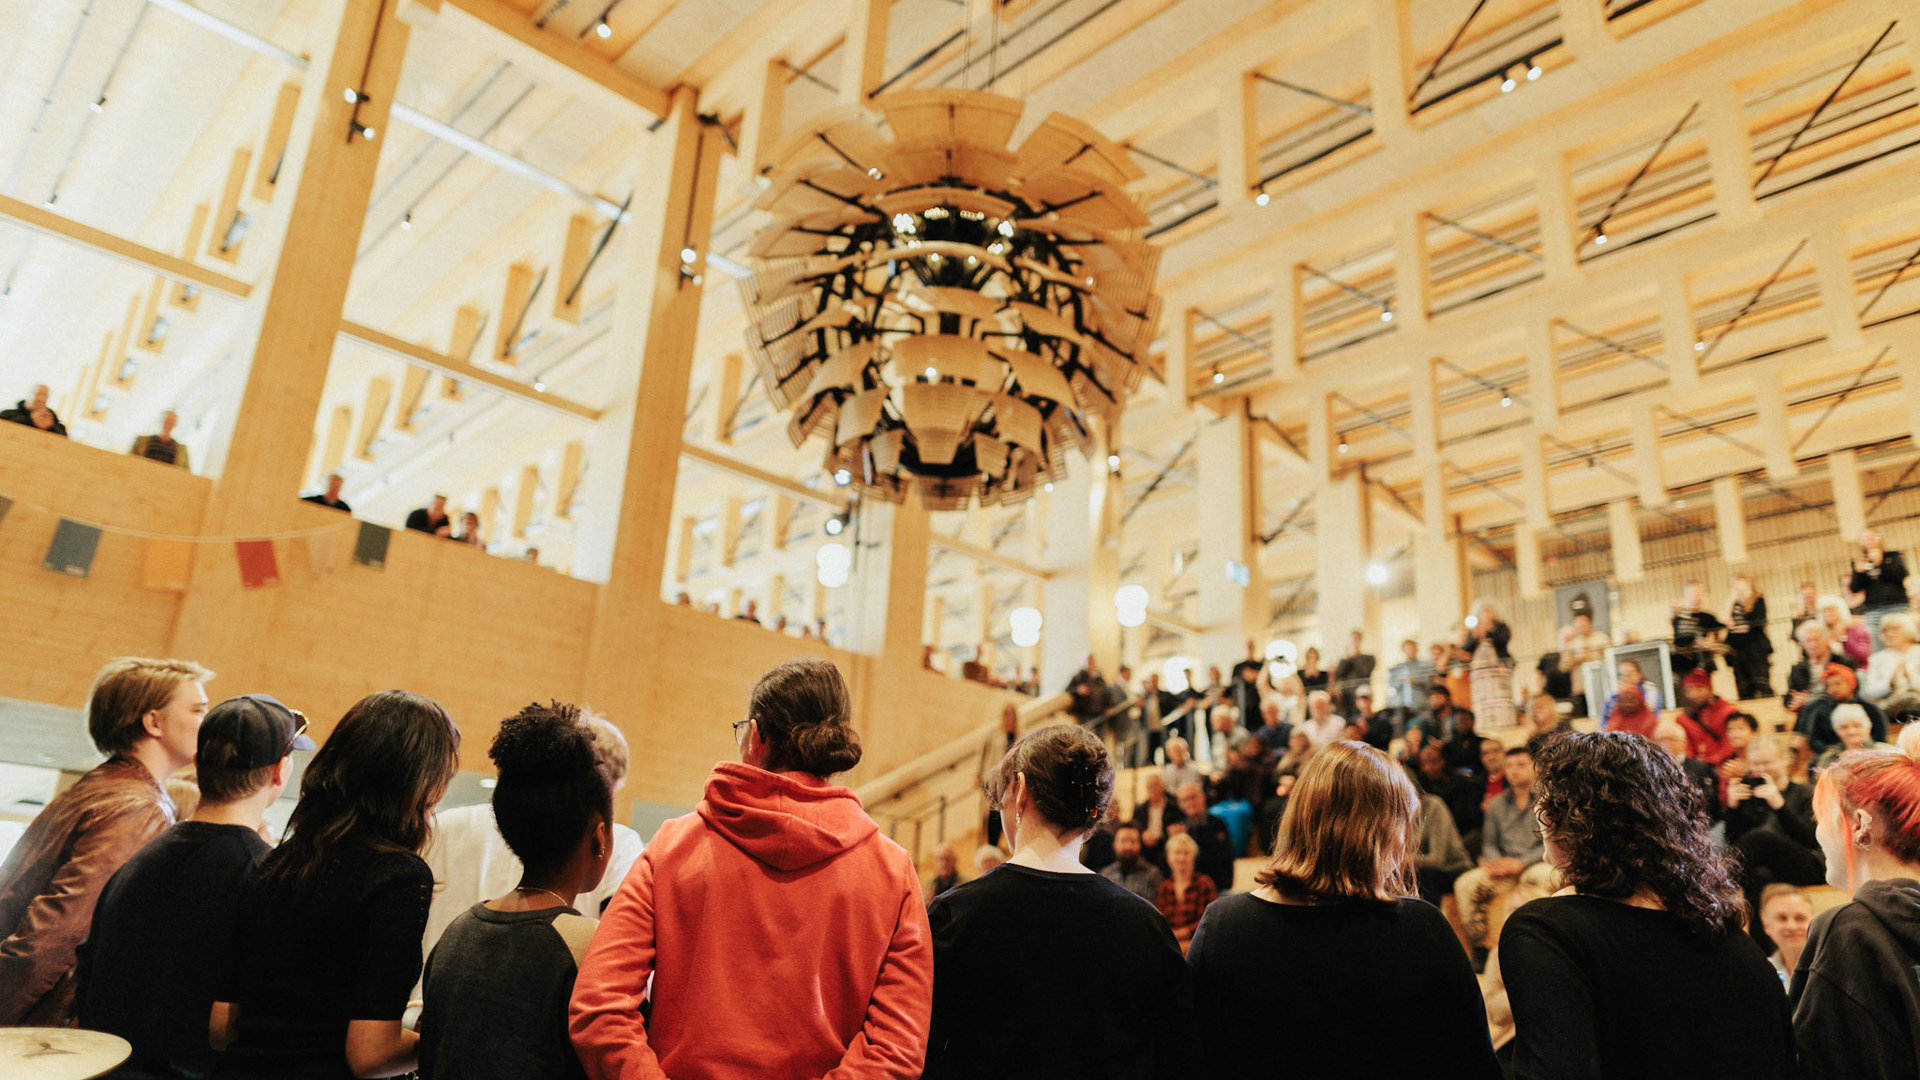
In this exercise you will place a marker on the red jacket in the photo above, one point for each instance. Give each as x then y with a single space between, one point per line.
1707 735
784 936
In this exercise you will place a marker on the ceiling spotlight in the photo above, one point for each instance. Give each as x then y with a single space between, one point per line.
1699 346
351 95
539 386
603 30
1506 399
1049 487
1113 461
364 131
1507 84
836 525
932 374
99 104
1262 199
406 222
1343 444
1593 464
1599 239
1534 71
875 174
1376 574
1386 314
1219 377
687 255
842 477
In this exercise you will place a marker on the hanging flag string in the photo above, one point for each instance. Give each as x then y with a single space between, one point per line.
119 530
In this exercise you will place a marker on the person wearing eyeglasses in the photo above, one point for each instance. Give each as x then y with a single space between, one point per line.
772 932
144 715
163 935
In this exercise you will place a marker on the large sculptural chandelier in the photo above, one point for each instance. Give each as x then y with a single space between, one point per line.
948 313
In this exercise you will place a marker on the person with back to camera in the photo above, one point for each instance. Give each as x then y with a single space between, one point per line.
497 984
1856 1005
329 928
772 932
1042 939
1332 929
1647 932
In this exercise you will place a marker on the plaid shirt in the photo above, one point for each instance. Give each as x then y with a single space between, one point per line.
1185 911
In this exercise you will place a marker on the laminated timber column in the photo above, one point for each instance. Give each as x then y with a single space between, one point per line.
1084 557
290 323
1440 557
1228 515
1343 540
625 529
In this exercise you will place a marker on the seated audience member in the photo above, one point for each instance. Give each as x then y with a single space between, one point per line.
1223 730
1627 712
145 716
163 448
946 871
1892 679
331 497
496 986
1245 777
1096 852
1512 866
986 857
1456 790
1741 728
470 530
1184 892
1437 723
804 873
1816 716
749 612
1703 718
1650 931
1853 994
1462 748
432 518
1179 771
1631 677
1130 869
161 947
1855 731
1274 732
1211 833
326 1001
1322 724
1155 815
1785 913
1331 903
1490 773
532 555
35 413
1376 728
1439 856
1806 682
1849 635
1673 739
1012 946
1770 822
1543 717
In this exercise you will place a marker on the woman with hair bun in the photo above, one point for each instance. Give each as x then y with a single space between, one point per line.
1333 929
1856 1006
1043 941
1640 967
771 932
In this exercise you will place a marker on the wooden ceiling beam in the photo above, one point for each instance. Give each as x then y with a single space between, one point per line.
550 57
460 369
172 267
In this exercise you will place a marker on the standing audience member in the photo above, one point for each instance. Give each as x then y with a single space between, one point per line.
1694 632
1354 671
162 448
1856 1005
1408 682
1805 610
780 866
1880 577
431 518
1011 947
1892 679
1785 913
470 530
1311 676
1216 841
162 942
145 716
35 413
1484 648
1580 645
1513 867
1184 892
1703 716
497 984
1331 902
1749 650
331 497
1089 692
1650 932
1130 869
946 871
325 999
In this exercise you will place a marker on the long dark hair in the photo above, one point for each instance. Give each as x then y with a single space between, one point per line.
373 784
806 717
1626 816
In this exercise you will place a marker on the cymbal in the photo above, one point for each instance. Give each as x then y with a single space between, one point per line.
59 1053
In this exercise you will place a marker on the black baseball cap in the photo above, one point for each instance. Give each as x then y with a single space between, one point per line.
261 729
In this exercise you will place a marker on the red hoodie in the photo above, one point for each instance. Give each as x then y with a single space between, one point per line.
784 936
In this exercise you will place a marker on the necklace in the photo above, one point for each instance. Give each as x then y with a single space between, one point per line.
531 889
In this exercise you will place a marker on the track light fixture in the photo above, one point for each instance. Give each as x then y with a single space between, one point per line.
602 29
1506 399
362 130
1386 314
99 104
406 222
1343 444
1219 377
1534 70
1262 199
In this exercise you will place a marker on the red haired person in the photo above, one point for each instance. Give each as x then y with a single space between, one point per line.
1856 1006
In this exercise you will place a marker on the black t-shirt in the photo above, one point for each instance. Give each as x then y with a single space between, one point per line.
1047 975
496 993
346 948
162 942
1361 989
1603 990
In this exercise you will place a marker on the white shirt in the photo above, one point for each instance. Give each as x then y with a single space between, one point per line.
1322 732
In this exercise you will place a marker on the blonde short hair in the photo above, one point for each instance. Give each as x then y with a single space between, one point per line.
609 745
1183 842
126 690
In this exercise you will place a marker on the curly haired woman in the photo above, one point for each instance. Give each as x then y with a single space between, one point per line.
1639 967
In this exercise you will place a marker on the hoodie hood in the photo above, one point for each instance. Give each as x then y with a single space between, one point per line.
1896 904
788 821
